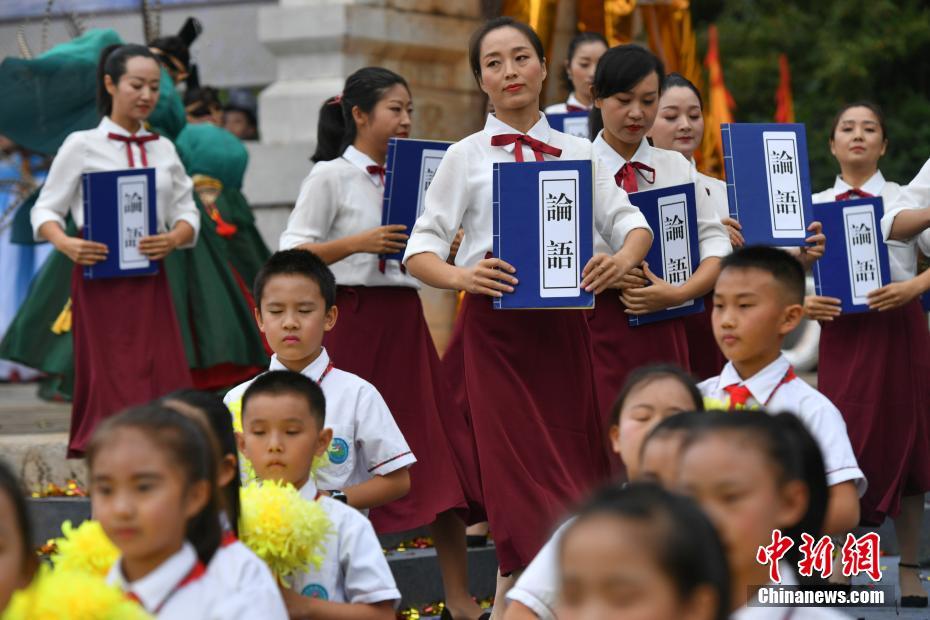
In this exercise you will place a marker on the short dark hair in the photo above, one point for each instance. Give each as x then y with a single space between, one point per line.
189 446
296 262
869 105
477 38
281 382
647 374
173 45
619 70
785 268
13 489
112 62
686 547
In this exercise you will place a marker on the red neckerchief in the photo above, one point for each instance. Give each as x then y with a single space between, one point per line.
739 393
519 140
626 176
852 194
571 107
138 141
329 367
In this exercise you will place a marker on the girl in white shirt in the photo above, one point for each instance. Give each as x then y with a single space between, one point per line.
153 488
679 126
874 365
127 343
584 50
627 87
527 373
382 334
642 552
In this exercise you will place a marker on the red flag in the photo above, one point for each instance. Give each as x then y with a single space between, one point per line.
784 103
719 108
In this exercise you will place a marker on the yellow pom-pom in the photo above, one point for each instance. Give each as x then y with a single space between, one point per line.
69 595
282 528
714 404
85 548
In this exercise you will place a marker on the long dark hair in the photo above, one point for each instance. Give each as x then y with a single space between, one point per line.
685 546
619 70
189 446
869 105
477 37
335 129
13 489
577 41
677 80
112 62
220 421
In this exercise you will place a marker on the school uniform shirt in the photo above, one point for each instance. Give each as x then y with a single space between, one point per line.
822 419
914 195
461 193
716 190
902 255
366 440
354 569
788 578
562 108
239 570
340 198
165 595
538 586
93 150
671 168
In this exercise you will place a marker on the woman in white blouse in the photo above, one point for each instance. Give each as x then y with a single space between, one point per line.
528 376
127 343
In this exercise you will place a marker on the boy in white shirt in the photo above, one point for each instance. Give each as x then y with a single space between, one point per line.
368 458
283 418
758 300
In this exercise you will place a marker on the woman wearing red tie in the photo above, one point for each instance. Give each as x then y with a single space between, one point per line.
584 50
528 375
127 344
875 366
627 86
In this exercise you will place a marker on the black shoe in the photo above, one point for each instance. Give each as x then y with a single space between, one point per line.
913 601
447 615
476 541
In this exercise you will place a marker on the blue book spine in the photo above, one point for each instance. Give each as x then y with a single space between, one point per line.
855 260
572 123
496 215
728 170
675 252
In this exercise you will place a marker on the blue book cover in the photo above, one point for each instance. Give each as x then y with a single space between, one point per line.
674 254
119 210
768 181
543 226
409 169
855 260
572 123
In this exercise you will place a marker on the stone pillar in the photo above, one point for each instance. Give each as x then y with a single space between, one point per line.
316 45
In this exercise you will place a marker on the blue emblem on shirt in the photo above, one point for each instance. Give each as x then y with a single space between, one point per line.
315 590
338 451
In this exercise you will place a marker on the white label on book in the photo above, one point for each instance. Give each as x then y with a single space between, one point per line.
784 184
576 126
676 248
559 234
429 163
133 203
862 252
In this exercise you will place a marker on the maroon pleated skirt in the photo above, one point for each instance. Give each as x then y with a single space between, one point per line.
458 423
875 367
127 348
382 336
704 356
530 392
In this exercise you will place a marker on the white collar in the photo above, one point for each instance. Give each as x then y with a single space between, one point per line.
108 126
314 370
613 160
762 384
154 589
362 161
874 185
309 491
496 127
573 100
